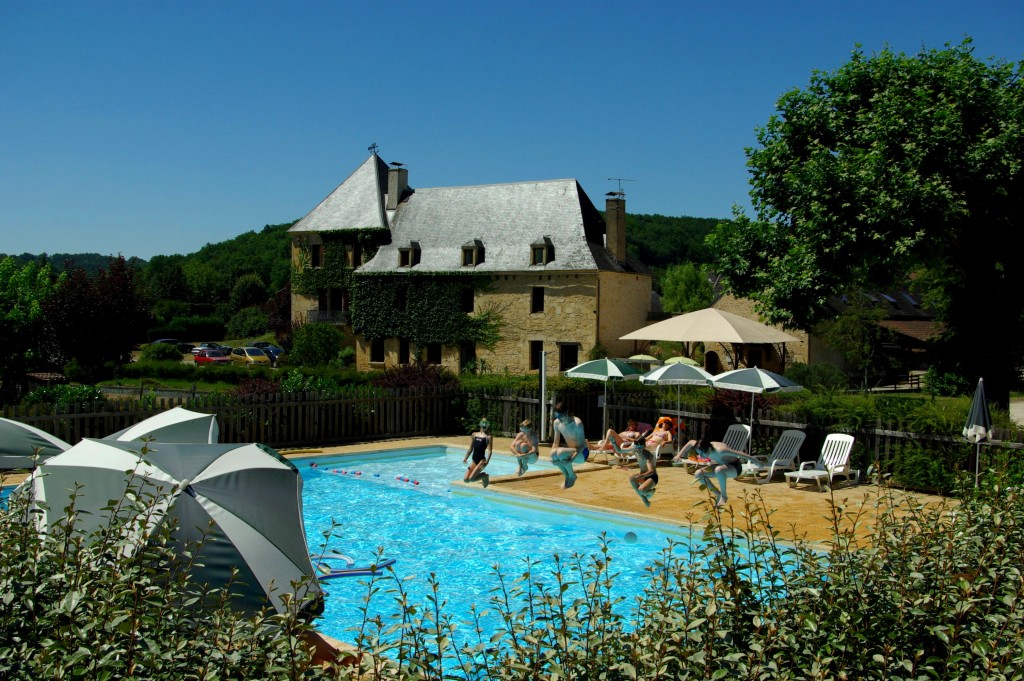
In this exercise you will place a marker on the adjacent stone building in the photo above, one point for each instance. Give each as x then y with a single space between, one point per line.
486 276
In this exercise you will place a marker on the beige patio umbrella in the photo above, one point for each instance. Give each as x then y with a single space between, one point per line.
711 326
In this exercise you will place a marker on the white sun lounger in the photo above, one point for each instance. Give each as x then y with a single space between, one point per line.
834 461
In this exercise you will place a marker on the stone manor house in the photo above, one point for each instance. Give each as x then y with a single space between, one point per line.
491 275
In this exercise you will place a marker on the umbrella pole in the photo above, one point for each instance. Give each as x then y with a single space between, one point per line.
605 429
750 444
977 464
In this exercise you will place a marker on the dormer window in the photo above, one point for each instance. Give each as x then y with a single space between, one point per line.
542 251
472 253
410 255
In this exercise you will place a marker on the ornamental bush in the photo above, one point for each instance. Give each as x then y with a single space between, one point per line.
315 344
108 606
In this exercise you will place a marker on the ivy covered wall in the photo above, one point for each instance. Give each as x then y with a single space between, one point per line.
334 270
425 308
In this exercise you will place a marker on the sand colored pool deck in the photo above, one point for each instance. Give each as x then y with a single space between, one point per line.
795 513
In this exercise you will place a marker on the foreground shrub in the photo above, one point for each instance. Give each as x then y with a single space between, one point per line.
109 606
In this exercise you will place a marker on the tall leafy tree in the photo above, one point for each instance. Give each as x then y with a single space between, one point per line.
95 319
23 291
889 165
686 288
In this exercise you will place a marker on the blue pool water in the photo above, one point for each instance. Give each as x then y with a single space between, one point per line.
429 528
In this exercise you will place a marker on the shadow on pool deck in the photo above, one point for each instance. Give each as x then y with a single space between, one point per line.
795 513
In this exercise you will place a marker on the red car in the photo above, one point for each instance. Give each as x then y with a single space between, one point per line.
211 356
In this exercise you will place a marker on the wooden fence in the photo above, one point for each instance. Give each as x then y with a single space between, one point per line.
366 414
290 420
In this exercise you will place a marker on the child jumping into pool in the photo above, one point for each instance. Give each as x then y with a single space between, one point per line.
569 428
722 464
480 447
525 446
646 480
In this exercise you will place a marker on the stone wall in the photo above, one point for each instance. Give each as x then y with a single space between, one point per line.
770 357
624 306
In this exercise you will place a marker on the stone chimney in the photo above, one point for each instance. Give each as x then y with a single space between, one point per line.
615 226
398 184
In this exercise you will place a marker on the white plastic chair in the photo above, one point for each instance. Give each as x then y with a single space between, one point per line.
834 461
782 458
737 436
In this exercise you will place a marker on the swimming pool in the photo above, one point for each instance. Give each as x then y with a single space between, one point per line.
459 536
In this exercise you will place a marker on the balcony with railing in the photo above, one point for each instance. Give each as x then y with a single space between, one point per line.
340 317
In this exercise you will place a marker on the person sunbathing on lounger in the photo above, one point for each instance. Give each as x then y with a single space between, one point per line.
621 443
661 435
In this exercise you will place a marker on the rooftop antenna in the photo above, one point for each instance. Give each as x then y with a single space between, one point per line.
621 194
373 148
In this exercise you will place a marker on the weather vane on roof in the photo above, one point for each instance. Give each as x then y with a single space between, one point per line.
373 148
619 193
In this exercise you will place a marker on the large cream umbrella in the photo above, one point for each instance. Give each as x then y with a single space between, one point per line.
711 326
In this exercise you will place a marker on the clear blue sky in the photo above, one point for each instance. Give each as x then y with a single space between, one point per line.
148 128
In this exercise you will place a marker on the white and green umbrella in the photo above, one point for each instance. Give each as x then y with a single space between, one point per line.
20 444
682 360
605 370
242 502
979 425
678 375
174 425
754 380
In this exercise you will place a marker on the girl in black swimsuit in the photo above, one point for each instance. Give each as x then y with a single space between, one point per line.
646 480
480 447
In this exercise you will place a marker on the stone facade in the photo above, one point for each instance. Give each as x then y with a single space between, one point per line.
771 357
563 314
810 349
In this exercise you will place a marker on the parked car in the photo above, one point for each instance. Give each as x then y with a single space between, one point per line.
226 349
210 356
272 350
183 348
249 356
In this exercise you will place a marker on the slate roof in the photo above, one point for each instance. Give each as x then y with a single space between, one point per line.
505 218
357 203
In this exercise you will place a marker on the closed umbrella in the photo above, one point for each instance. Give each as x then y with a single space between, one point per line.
20 442
677 375
174 425
605 370
754 380
243 502
979 425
